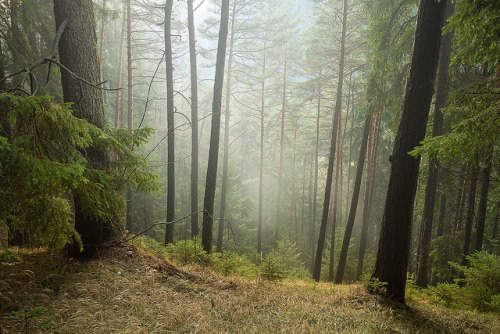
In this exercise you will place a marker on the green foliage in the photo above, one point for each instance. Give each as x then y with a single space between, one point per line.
477 109
29 316
478 289
445 249
231 262
477 30
187 251
283 261
43 150
376 286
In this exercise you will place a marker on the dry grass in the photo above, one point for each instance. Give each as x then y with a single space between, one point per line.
129 291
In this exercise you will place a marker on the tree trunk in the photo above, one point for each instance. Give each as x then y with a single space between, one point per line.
462 194
2 68
483 202
77 51
333 144
469 220
119 94
293 208
424 245
280 166
316 170
369 191
169 228
130 110
261 159
213 155
101 41
394 242
442 215
334 213
194 120
354 202
225 158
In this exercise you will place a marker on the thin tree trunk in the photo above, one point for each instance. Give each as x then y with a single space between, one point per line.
101 41
470 214
130 110
462 193
119 79
354 202
333 144
293 205
394 242
316 170
350 159
194 120
372 137
213 155
225 158
442 215
483 202
424 245
261 157
334 213
280 166
169 228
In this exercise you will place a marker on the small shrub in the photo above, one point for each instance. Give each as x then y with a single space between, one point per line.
230 262
271 267
284 261
478 289
187 251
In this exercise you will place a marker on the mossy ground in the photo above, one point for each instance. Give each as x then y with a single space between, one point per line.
128 290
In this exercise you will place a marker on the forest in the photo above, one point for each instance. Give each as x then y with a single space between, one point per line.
329 147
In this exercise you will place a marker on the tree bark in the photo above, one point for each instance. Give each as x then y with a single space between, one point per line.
194 120
462 194
119 94
469 220
369 191
225 158
213 155
442 215
333 144
78 52
354 202
280 165
101 40
394 242
424 245
130 110
483 203
169 228
316 169
261 158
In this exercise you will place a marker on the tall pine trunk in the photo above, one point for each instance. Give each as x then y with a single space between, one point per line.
354 202
225 158
333 145
213 154
77 52
421 277
194 120
261 157
316 170
130 110
169 229
280 165
119 94
394 242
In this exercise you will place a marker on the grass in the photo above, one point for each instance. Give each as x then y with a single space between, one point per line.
130 291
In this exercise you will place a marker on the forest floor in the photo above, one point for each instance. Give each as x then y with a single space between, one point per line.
130 291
